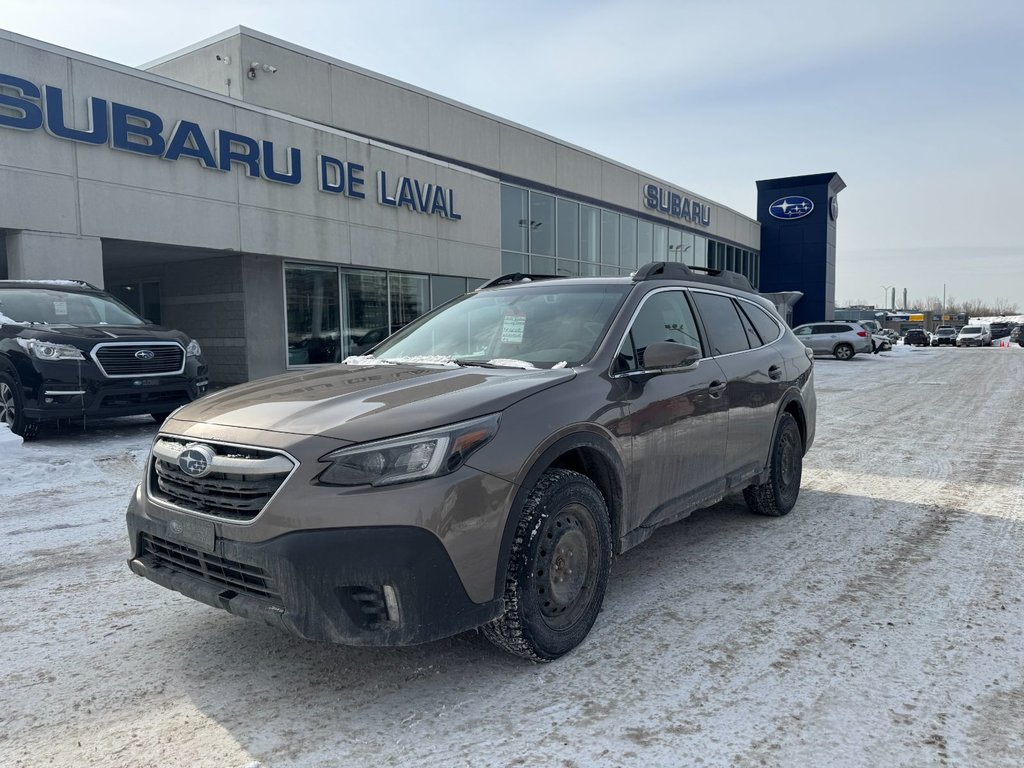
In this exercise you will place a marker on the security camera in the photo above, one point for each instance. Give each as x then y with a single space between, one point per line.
224 59
270 69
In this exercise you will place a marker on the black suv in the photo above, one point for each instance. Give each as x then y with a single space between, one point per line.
917 337
69 350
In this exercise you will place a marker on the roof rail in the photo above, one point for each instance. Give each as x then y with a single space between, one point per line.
54 282
674 270
517 277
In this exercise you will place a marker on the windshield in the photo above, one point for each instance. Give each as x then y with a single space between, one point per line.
51 306
540 326
971 329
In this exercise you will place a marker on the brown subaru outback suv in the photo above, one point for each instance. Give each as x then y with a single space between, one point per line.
481 467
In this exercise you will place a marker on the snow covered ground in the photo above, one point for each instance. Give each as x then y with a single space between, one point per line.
881 623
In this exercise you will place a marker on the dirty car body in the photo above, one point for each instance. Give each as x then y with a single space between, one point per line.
482 466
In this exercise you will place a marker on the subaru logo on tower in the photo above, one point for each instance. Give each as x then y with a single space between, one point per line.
145 354
196 460
792 207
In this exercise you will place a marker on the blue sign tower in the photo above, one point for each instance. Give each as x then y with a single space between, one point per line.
798 241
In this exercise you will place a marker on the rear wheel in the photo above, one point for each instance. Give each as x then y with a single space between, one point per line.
777 495
843 351
12 408
558 569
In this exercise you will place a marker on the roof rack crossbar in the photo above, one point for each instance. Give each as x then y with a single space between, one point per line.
517 277
674 270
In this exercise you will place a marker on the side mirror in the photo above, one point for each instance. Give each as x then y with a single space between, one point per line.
660 355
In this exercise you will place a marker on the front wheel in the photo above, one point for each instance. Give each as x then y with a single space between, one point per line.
12 408
558 569
777 495
843 352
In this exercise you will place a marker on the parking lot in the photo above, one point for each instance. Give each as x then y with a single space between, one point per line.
880 623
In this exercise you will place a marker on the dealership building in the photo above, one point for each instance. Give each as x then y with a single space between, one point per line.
288 209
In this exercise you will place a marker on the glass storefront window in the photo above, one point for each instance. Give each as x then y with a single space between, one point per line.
443 289
675 245
542 265
568 268
312 314
568 241
410 298
627 242
686 247
644 243
513 262
590 233
515 219
610 239
660 243
700 251
542 224
365 296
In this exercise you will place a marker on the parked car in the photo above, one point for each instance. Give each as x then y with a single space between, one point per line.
879 341
974 336
917 337
944 334
69 350
481 466
1017 335
841 339
1000 330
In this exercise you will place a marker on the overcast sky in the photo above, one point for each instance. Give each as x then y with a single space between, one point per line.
917 104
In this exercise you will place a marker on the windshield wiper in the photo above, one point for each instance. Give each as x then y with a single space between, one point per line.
475 363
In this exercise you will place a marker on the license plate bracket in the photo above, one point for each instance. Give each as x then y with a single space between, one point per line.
194 532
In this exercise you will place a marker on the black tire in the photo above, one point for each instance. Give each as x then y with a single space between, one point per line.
12 408
777 495
549 608
843 352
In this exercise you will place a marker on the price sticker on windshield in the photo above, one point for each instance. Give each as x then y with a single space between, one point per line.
60 308
512 328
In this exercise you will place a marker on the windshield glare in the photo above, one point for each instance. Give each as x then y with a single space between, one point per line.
543 325
55 307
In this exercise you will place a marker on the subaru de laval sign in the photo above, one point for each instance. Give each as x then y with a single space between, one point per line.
791 207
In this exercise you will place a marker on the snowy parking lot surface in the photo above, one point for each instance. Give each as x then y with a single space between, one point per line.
880 623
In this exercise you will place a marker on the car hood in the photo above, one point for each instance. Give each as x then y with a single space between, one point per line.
360 403
87 336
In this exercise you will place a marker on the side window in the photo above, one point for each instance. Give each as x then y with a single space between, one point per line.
725 330
806 330
817 330
767 327
665 316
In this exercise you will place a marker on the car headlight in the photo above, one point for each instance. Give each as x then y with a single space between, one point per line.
412 457
47 350
193 349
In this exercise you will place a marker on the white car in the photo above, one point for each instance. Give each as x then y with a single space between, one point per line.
979 335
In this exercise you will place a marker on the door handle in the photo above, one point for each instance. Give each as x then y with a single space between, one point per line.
715 388
775 373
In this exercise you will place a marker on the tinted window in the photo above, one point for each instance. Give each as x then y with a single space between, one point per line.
725 330
665 316
766 325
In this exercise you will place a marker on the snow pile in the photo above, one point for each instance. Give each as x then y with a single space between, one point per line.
8 440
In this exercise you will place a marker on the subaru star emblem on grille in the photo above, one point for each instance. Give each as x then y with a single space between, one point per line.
145 354
196 460
792 207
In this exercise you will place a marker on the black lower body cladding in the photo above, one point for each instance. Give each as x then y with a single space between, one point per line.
354 586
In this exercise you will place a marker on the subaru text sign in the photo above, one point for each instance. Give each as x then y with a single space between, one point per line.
26 106
677 205
791 207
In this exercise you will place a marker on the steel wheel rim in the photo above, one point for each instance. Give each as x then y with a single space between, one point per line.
788 468
566 555
8 412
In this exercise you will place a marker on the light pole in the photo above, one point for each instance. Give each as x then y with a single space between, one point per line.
885 291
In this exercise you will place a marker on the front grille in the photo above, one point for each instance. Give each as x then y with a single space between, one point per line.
237 489
122 359
231 574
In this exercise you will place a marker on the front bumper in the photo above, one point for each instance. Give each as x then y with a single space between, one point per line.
55 392
386 585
